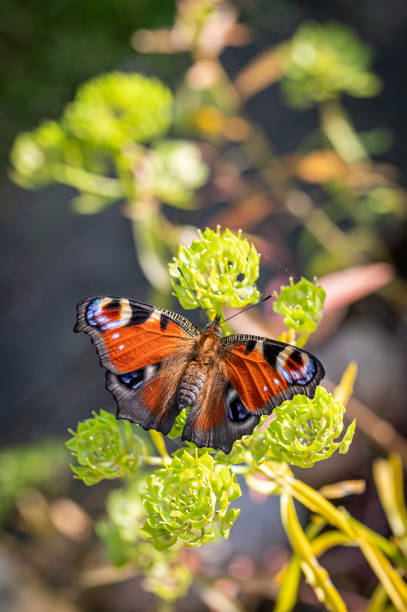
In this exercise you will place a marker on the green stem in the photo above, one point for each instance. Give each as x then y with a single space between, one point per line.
166 606
158 441
150 247
340 132
311 499
87 181
316 575
158 461
302 340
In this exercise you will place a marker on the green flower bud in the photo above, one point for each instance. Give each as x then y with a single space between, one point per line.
104 448
303 431
221 268
118 109
189 501
324 60
301 305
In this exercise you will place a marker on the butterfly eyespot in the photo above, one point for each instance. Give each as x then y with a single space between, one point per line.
108 313
296 367
133 379
237 411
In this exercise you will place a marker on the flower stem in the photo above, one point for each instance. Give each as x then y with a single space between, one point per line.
340 132
158 441
87 181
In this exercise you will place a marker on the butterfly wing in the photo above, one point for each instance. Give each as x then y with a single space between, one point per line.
144 350
266 372
130 335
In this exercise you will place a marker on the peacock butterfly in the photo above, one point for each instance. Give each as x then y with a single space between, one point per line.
157 363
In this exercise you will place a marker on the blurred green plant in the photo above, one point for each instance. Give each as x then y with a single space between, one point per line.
104 131
118 109
323 61
41 465
165 574
186 499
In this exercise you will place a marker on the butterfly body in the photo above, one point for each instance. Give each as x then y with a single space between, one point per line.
157 363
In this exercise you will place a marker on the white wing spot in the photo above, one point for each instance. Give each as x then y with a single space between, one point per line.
265 388
116 335
276 381
121 347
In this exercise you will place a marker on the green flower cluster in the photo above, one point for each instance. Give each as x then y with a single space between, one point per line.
37 156
105 128
302 432
301 305
221 268
189 500
104 448
324 60
164 575
117 109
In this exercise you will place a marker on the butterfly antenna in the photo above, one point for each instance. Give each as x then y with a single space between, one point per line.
248 308
189 286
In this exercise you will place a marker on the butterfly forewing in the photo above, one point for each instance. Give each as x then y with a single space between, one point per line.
144 350
130 335
266 372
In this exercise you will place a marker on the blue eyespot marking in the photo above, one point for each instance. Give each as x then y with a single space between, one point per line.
93 313
302 372
133 379
108 313
236 409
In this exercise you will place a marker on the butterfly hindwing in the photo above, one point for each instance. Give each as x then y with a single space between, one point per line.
130 335
266 372
148 396
135 394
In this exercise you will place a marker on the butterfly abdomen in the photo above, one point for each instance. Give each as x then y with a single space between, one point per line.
191 384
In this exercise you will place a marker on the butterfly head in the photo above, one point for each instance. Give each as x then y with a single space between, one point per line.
214 326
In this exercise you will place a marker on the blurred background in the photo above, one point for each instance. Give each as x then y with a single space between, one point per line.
126 125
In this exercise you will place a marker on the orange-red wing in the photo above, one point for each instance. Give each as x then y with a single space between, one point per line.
266 372
130 335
